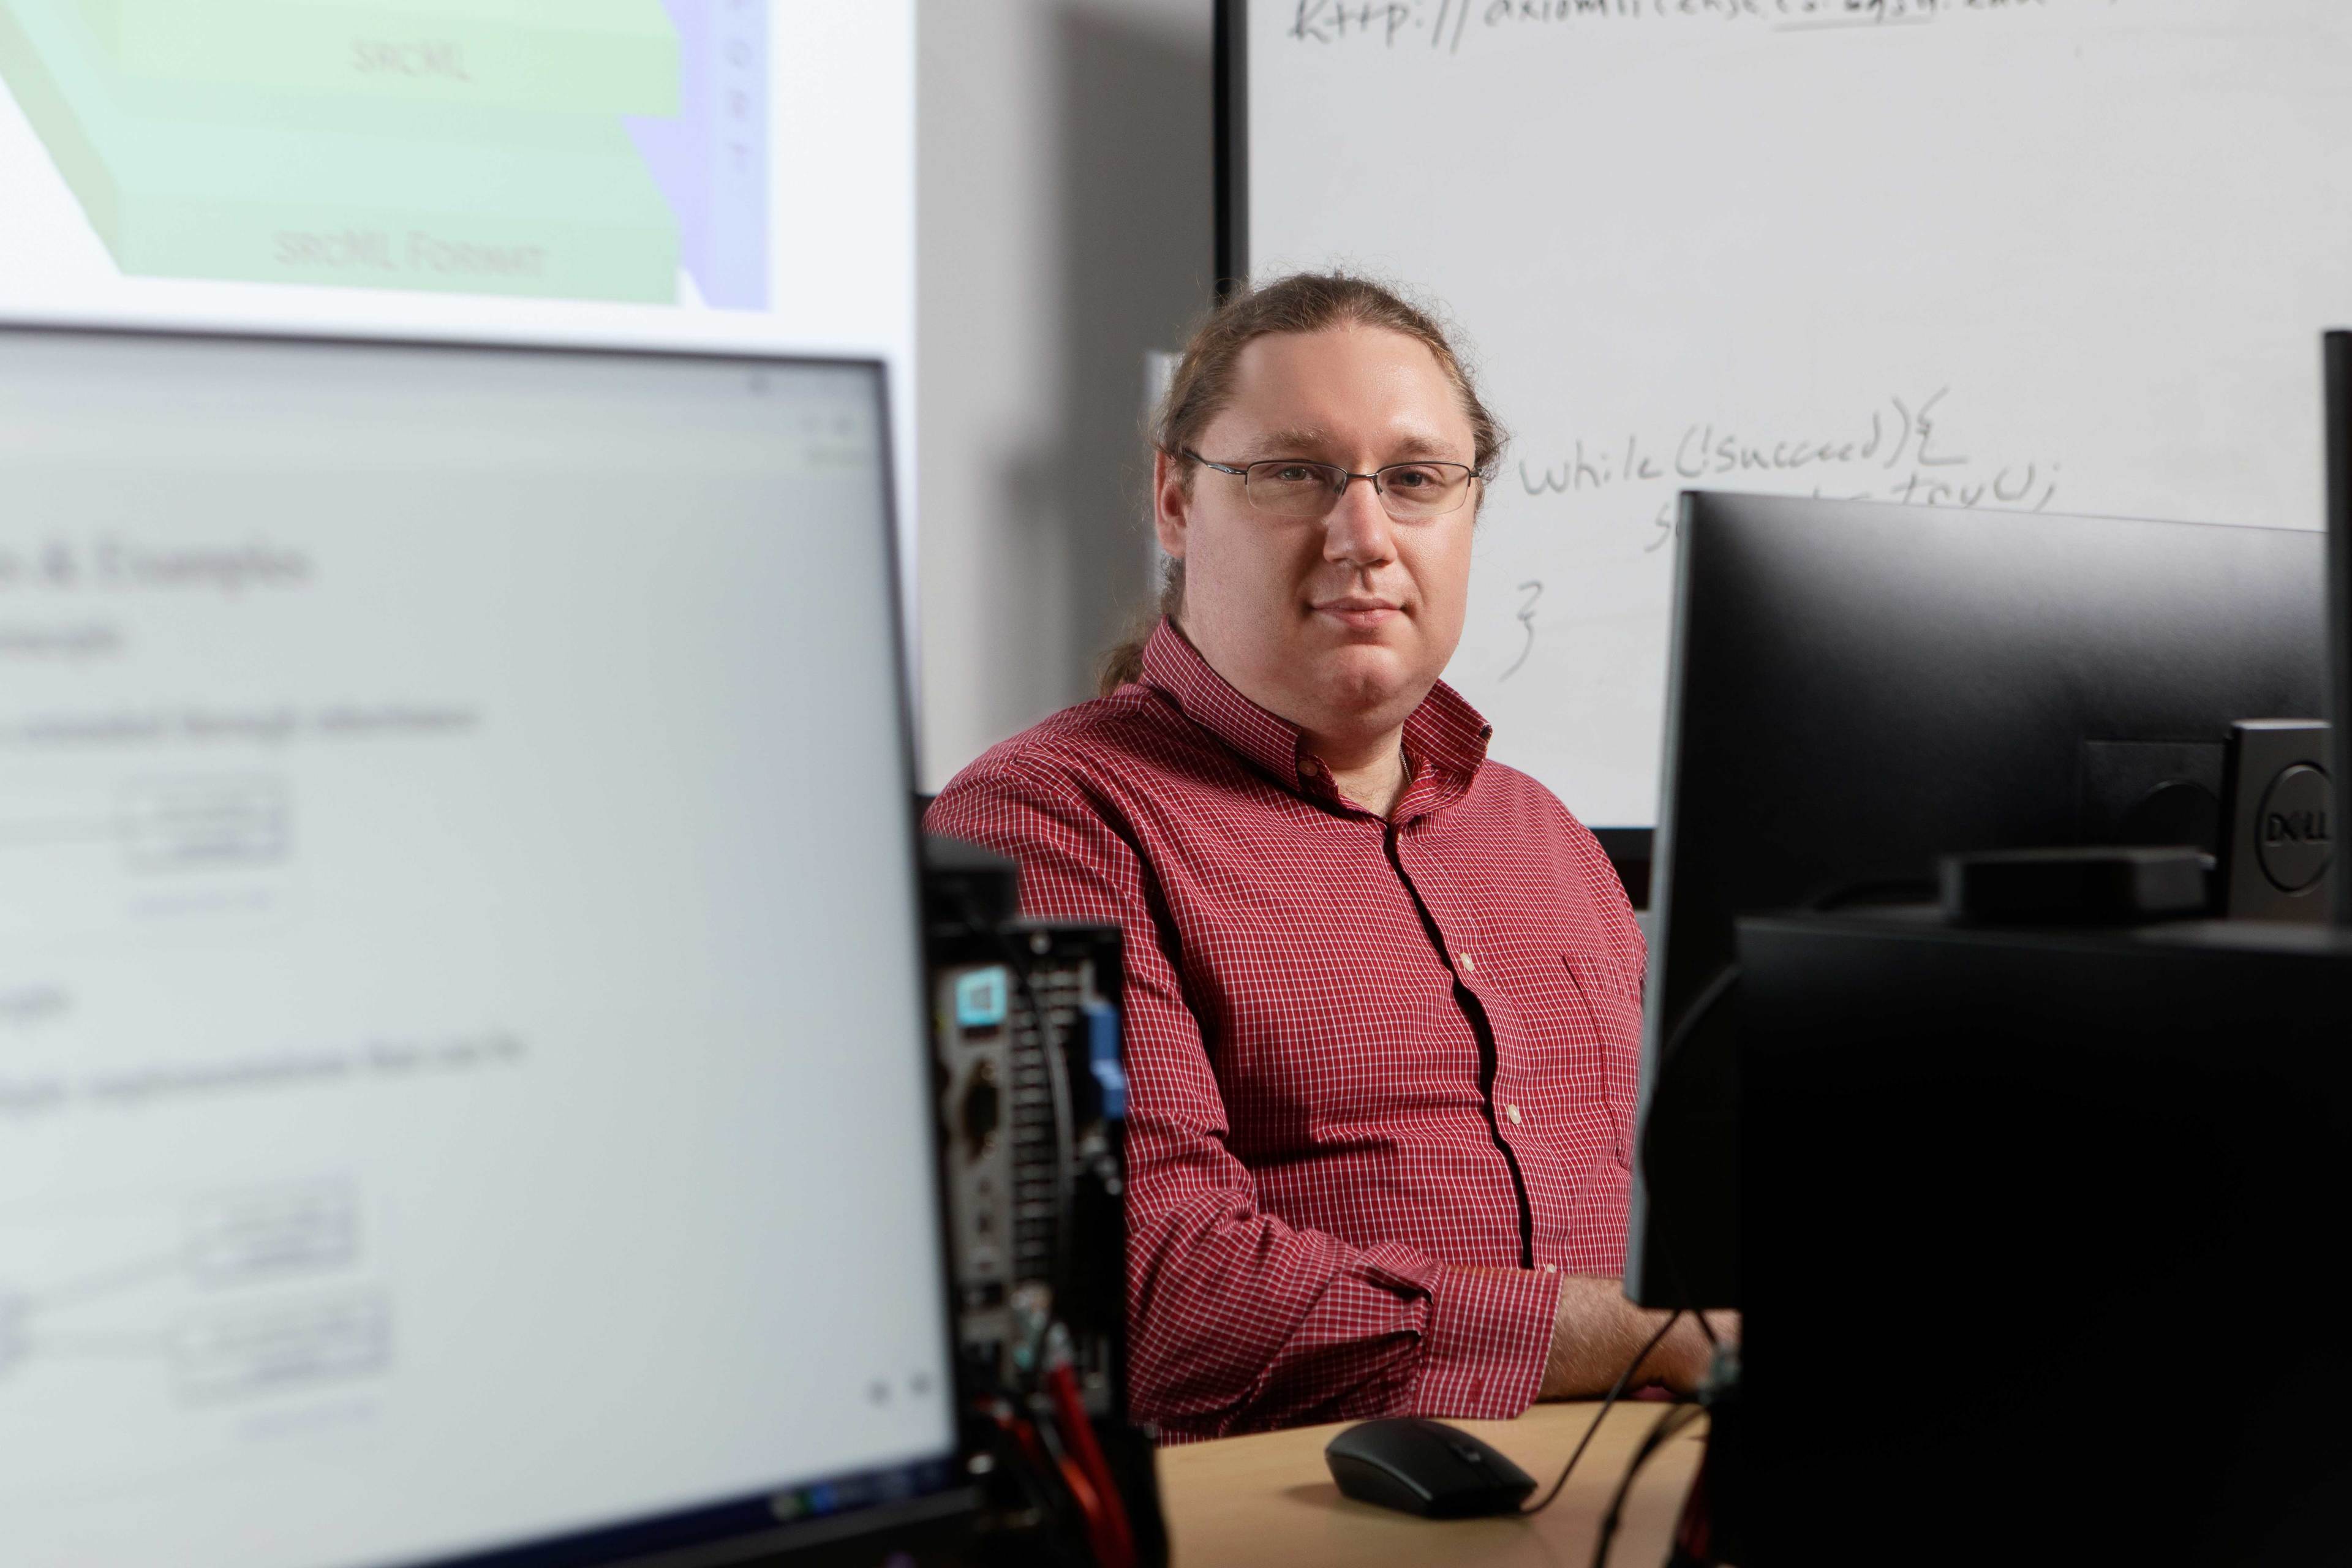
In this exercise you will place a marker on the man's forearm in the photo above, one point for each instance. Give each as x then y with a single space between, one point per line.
1597 1332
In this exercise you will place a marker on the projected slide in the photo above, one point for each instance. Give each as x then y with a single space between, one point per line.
717 174
570 149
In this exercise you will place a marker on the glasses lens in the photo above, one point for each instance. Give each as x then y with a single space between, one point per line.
1423 489
1293 490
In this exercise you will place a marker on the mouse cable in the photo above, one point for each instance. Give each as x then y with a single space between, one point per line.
1615 1391
1669 1425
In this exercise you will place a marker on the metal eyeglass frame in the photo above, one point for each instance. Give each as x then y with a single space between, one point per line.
1349 478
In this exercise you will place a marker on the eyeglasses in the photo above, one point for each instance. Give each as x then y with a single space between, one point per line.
1293 487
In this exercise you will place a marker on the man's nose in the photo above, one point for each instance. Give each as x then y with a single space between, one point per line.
1359 533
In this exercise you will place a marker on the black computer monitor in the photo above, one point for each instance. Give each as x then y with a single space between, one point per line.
2339 356
465 1087
1857 688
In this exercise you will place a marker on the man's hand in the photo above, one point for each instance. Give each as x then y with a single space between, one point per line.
1596 1331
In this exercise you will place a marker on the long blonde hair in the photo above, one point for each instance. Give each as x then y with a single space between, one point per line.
1204 384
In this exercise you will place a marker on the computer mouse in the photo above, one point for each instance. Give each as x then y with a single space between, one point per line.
1425 1467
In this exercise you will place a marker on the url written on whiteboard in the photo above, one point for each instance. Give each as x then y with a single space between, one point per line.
1443 24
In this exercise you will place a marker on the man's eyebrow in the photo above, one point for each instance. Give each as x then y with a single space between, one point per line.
1424 446
1298 442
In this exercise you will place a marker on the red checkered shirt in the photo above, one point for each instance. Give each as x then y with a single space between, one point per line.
1382 1073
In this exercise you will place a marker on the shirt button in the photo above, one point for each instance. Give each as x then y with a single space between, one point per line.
1469 965
1513 1112
1551 1268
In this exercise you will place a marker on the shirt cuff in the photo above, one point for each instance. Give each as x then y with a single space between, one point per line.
1489 1334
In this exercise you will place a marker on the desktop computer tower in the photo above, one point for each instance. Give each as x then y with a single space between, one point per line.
1032 1102
1036 1232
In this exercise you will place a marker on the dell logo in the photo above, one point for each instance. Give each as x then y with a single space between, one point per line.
2294 828
2295 842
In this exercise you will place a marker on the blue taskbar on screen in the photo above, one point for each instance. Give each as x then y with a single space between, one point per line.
799 1514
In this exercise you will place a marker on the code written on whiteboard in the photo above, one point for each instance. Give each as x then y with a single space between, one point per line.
1442 24
1903 449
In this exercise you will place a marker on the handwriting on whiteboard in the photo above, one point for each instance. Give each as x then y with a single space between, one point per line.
1899 451
1530 591
1443 24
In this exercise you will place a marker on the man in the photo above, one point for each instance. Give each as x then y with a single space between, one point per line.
1383 995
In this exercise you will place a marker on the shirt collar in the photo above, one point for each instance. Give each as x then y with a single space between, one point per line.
1445 739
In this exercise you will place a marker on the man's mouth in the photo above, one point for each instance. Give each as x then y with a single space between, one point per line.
1358 613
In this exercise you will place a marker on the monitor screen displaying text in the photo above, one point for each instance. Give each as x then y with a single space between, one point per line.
461 1069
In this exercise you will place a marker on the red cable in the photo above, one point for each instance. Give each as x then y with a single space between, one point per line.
1118 1549
1068 1471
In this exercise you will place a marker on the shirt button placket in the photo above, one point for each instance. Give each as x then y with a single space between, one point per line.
1466 981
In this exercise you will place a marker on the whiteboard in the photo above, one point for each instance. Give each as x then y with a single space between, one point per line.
729 175
2064 255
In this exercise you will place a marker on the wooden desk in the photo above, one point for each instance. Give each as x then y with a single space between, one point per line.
1269 1500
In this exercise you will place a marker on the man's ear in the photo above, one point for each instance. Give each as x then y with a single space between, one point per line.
1172 509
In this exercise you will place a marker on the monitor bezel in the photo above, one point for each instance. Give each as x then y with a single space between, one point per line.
741 1528
2336 348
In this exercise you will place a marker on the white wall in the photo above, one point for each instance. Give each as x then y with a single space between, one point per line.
1064 225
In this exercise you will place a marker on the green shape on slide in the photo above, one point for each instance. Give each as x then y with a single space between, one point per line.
608 57
200 180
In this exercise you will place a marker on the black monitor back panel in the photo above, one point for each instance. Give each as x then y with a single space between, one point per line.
1858 689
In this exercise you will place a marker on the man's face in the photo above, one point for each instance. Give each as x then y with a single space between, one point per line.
1340 623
